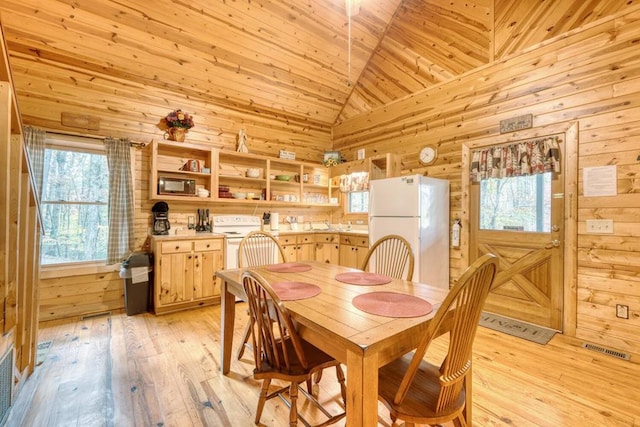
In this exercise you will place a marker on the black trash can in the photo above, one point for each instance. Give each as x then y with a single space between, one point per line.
137 272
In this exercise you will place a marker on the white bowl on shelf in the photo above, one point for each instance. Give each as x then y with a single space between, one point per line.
239 195
253 173
202 193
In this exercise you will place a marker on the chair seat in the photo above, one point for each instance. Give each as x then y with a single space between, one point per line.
419 404
316 359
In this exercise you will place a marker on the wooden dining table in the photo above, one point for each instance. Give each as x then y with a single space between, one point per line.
331 322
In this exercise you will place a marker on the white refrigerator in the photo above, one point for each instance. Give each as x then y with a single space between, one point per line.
415 207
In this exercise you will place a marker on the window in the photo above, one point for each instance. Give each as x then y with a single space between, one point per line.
521 203
357 202
74 206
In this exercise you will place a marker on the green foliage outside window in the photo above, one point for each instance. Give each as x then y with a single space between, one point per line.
358 202
74 207
521 203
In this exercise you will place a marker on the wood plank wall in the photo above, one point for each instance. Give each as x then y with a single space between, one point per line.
591 76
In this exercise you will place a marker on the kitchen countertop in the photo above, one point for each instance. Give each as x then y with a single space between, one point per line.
210 235
202 235
331 231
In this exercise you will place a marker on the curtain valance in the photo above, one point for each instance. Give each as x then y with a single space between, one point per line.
356 181
523 158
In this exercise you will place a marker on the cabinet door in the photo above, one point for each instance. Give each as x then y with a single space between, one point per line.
175 278
349 256
361 252
290 252
305 252
208 259
304 249
328 253
205 284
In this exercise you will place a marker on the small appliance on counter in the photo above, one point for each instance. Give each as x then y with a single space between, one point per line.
161 223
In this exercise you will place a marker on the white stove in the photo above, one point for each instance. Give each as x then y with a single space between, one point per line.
234 227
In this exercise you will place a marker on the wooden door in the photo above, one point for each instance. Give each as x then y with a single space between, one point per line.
529 284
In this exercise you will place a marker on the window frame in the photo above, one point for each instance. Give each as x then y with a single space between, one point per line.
84 145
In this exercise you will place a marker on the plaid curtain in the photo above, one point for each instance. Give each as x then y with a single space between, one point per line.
34 140
523 158
121 216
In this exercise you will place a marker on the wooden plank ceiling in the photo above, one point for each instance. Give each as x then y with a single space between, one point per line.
285 59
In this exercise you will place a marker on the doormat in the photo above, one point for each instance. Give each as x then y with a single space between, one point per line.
43 349
516 328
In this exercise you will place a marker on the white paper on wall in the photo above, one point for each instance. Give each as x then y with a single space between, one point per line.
600 181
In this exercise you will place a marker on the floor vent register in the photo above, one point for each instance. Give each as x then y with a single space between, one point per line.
607 351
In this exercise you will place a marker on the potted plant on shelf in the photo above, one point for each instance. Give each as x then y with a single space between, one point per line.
176 124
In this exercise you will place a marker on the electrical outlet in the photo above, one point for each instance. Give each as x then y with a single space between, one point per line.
622 311
600 226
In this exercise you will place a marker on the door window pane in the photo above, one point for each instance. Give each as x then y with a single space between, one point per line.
521 203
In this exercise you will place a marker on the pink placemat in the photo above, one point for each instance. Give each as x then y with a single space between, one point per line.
291 291
392 304
363 278
288 267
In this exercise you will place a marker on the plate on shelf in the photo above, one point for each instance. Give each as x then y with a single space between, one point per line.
283 177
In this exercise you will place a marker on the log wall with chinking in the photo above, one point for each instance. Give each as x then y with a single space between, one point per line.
590 76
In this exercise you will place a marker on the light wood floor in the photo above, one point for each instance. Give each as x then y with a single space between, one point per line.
164 371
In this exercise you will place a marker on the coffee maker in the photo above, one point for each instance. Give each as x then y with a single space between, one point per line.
161 218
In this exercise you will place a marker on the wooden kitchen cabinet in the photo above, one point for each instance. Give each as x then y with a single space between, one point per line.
327 248
184 162
353 249
237 178
185 273
298 247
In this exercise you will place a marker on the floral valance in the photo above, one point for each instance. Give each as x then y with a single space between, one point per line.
523 158
356 181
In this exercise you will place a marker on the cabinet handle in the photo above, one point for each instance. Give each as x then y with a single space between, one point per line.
208 245
190 257
177 247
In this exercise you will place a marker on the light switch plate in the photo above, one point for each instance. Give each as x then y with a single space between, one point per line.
600 226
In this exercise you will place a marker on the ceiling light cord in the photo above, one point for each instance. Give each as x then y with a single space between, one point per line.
349 43
352 9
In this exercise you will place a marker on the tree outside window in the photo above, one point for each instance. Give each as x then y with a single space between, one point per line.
521 203
74 206
358 202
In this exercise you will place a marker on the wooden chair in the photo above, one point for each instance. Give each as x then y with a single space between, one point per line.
279 353
257 248
391 256
419 392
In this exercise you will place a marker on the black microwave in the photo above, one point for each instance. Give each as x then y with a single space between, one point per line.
177 186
